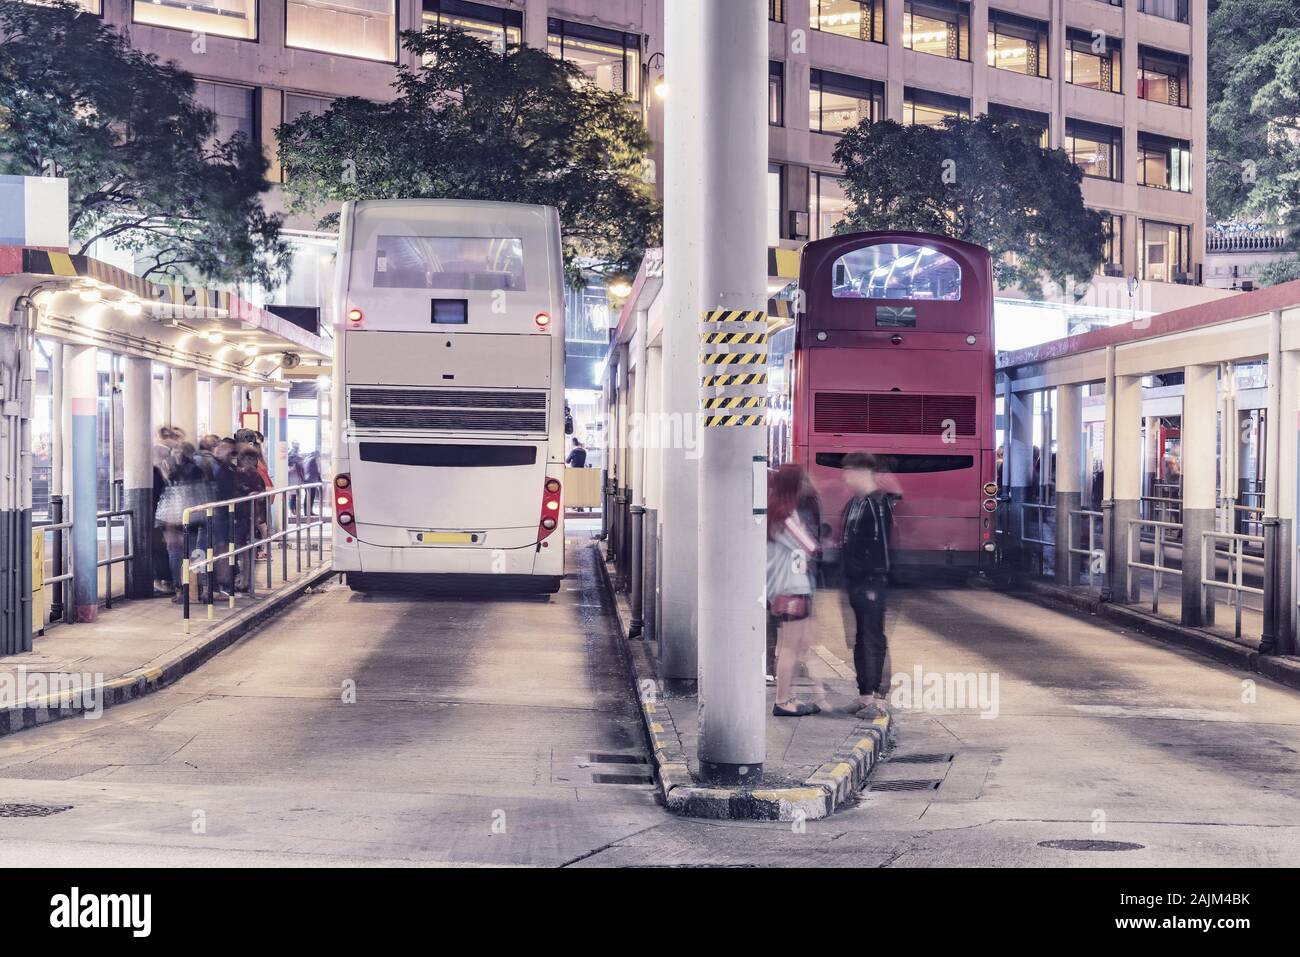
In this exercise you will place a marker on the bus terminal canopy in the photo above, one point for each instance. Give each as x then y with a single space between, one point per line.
85 301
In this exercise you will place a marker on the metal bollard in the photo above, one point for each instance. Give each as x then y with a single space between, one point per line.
636 572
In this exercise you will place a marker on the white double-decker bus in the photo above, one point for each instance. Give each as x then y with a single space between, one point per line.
449 395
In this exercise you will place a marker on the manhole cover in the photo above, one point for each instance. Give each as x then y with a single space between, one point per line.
921 759
903 785
32 810
1091 845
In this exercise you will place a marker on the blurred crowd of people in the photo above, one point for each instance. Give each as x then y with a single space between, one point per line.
794 576
185 477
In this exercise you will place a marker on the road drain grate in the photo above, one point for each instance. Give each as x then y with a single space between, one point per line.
622 779
903 785
32 810
1091 845
603 757
921 759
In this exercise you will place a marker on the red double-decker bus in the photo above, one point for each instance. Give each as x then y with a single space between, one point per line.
893 354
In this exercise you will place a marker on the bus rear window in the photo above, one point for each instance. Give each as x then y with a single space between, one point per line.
902 464
896 271
449 262
448 456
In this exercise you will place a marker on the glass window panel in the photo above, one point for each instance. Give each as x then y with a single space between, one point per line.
859 19
936 30
449 262
829 204
233 106
300 104
922 113
1164 251
222 18
359 28
1095 151
498 35
896 271
776 94
773 205
610 66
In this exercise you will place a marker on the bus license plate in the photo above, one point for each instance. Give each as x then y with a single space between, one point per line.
447 538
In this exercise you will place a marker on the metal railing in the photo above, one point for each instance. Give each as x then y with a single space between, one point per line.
200 518
1040 525
1095 555
1157 567
1237 558
1161 508
64 565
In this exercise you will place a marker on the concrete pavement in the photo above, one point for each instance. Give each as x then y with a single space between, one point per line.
479 728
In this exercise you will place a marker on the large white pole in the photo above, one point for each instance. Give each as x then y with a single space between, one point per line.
679 432
733 465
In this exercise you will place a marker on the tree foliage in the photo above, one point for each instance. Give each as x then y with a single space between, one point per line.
138 153
982 180
1254 112
472 123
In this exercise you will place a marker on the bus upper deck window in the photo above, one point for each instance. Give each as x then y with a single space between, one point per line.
896 271
472 263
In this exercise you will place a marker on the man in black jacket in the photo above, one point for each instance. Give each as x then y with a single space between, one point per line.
865 557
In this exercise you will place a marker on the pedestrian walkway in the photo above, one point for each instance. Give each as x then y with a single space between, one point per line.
140 644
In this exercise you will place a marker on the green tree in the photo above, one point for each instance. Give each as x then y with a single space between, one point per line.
1253 152
982 180
140 157
475 124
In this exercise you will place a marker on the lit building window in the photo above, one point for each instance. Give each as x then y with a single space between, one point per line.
1165 251
776 10
838 102
1094 148
859 19
1112 260
233 107
776 93
1017 44
610 59
1164 163
829 204
774 204
1162 77
923 108
1093 60
937 27
220 18
1040 123
366 29
499 27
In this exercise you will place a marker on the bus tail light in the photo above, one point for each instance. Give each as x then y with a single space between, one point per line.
550 508
543 320
345 505
990 489
355 318
990 505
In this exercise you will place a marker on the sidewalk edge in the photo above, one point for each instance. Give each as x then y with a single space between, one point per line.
824 792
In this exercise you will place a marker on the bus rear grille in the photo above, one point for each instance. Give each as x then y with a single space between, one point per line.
450 420
449 398
448 410
893 413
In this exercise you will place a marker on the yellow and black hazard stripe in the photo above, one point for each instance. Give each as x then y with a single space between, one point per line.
733 358
729 421
735 315
734 338
740 378
736 402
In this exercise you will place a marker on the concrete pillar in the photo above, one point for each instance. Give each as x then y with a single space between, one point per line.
81 388
683 240
137 470
1017 461
254 402
185 403
1123 476
276 448
223 419
1200 498
733 462
1276 637
1069 467
1288 428
16 386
